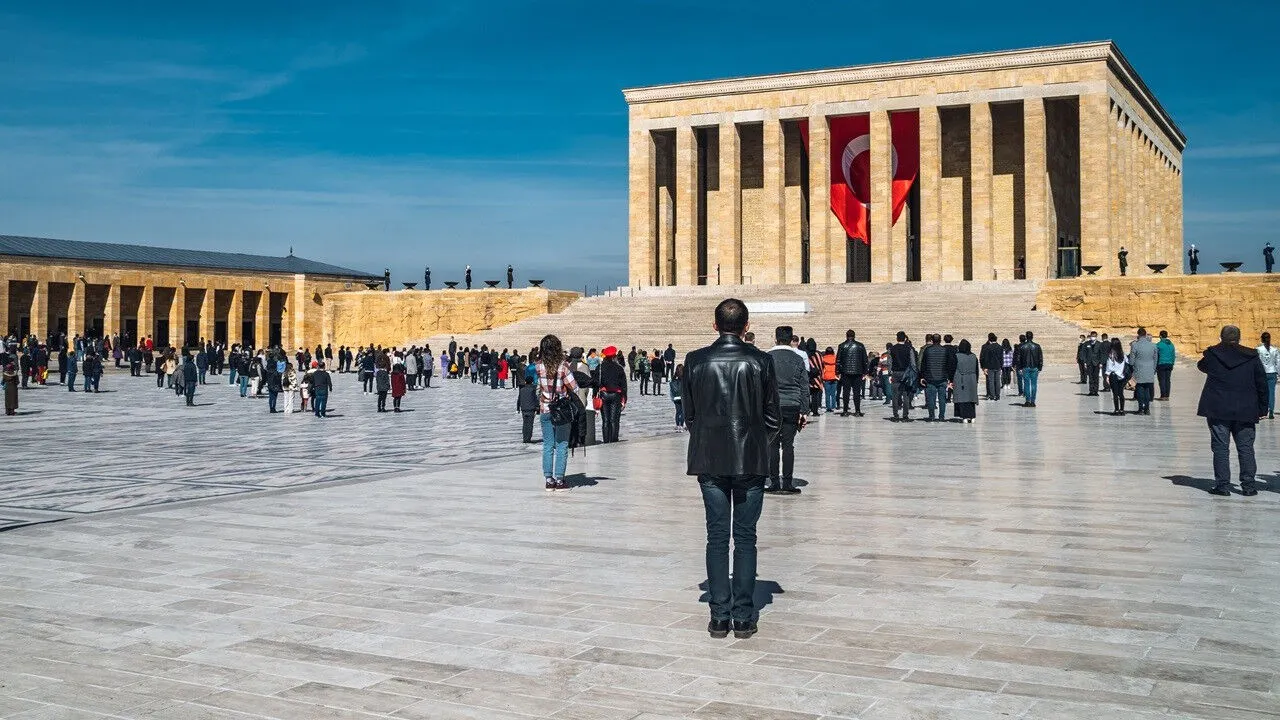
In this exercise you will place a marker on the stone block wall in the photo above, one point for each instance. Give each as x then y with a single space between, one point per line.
405 316
1193 308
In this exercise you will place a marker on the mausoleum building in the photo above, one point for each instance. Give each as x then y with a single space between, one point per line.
1025 163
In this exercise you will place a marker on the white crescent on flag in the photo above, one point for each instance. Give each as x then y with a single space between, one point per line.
856 147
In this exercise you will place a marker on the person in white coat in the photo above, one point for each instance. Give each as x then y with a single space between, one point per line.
1270 356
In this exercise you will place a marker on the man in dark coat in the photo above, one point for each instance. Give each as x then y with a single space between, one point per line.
851 366
1123 258
1093 357
511 277
991 360
730 399
1030 359
1234 398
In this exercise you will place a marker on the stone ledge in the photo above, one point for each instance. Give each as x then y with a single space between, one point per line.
1193 308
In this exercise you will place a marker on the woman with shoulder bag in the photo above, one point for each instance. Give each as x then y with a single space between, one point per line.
555 383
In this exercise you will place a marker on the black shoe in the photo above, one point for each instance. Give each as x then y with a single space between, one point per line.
789 488
1223 490
718 628
1249 493
743 630
844 414
857 414
772 486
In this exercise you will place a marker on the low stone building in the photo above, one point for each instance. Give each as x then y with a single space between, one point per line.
50 287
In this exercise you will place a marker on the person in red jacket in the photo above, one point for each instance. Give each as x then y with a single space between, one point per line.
504 372
399 382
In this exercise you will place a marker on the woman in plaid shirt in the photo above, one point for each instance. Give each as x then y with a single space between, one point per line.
554 382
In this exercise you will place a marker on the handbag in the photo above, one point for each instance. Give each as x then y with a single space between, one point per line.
597 403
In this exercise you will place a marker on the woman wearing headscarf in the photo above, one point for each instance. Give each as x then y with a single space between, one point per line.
10 382
815 377
965 390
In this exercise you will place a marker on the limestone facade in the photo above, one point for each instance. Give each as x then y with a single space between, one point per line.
1193 308
172 305
1045 159
408 316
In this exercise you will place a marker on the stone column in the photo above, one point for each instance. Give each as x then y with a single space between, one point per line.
112 322
178 317
146 313
6 290
1095 186
774 179
686 207
729 213
235 318
207 313
40 310
820 217
76 309
931 258
304 315
643 223
262 320
1041 245
980 159
881 220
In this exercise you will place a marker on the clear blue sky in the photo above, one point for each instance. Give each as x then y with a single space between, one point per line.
403 134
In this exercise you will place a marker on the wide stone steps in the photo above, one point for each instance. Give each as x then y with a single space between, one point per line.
653 317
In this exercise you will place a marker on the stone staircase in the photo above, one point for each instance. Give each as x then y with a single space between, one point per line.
652 317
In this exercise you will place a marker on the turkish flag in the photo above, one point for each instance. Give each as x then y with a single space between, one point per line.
851 167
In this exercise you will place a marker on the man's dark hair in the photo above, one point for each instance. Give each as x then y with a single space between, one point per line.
783 334
1022 338
1164 334
991 337
1030 336
849 335
749 337
946 338
937 338
731 316
902 336
1142 332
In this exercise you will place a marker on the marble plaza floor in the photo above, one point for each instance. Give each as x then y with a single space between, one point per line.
220 562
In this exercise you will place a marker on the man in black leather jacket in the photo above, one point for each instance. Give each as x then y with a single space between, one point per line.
991 360
1030 359
730 399
851 366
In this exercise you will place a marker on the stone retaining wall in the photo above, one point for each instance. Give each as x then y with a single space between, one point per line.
1193 308
404 316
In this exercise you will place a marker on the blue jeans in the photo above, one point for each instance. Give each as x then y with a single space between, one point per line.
936 393
202 373
71 381
231 380
1271 393
244 386
88 382
829 388
1030 381
271 400
555 448
679 414
320 403
732 504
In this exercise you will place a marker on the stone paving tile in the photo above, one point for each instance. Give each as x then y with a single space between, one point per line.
1040 564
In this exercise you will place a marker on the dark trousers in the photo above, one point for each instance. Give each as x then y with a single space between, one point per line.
610 414
395 403
815 399
1082 367
732 504
368 382
271 400
903 394
1163 375
526 433
191 394
1221 433
644 383
1092 371
785 444
1144 393
382 401
1117 393
993 384
320 403
851 383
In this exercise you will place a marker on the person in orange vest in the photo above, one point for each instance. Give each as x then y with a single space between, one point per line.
829 378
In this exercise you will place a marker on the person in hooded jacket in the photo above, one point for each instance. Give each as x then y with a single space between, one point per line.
1234 398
